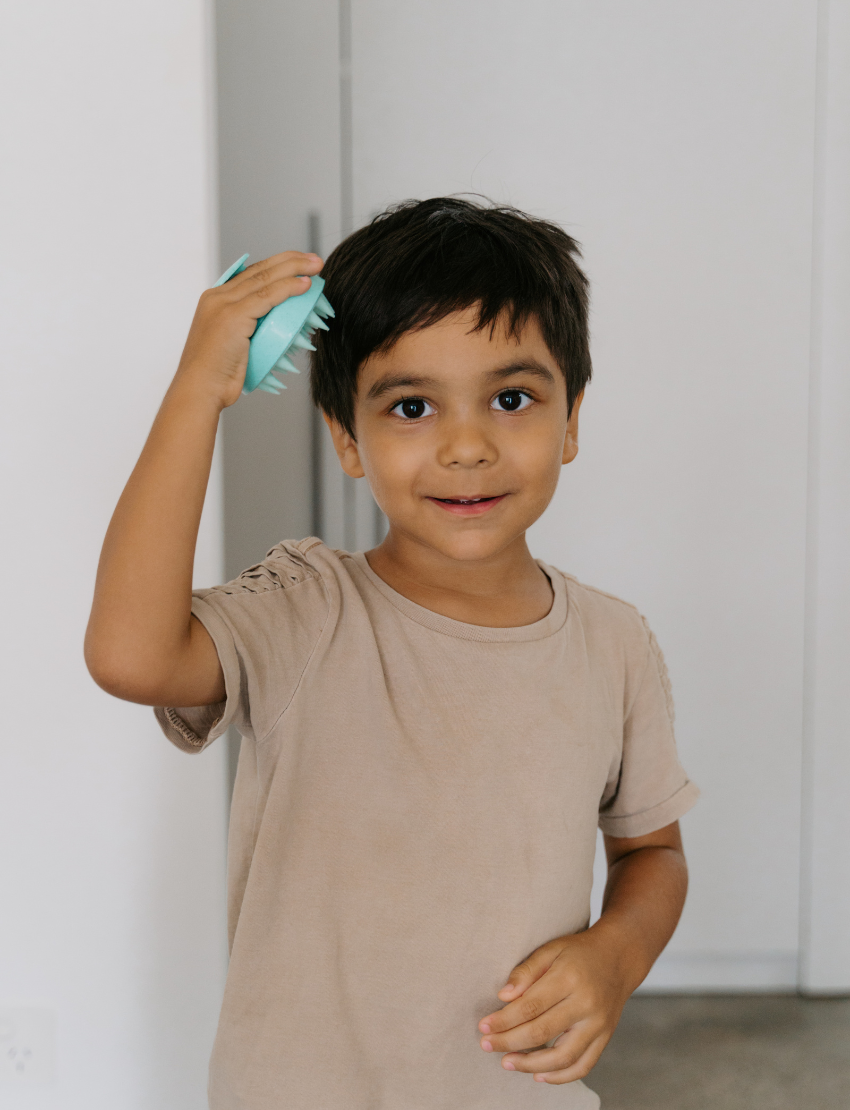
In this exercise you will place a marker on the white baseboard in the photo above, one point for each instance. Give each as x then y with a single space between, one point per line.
722 973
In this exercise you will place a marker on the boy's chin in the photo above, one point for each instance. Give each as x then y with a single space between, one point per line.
469 546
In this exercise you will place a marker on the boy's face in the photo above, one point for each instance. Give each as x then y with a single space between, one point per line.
461 435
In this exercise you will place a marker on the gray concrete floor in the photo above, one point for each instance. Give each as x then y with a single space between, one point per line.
739 1052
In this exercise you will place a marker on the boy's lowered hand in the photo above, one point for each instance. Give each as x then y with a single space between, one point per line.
573 988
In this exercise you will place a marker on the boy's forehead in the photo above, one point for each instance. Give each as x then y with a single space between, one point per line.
454 347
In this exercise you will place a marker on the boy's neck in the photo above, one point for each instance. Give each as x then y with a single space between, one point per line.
505 590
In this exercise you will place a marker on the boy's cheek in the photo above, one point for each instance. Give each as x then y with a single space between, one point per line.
396 466
394 476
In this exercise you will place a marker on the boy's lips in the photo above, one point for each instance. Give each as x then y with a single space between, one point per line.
468 506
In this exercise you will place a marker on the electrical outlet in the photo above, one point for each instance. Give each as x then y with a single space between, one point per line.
27 1046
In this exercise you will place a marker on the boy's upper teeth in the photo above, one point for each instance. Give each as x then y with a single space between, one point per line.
466 500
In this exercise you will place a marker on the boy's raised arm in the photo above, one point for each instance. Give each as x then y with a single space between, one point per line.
142 642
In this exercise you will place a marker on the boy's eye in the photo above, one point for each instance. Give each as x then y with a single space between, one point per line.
412 408
511 400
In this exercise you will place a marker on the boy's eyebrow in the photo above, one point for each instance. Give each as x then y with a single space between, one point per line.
411 381
522 366
398 381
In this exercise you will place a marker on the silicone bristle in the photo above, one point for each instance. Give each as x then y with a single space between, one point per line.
283 363
315 321
271 380
323 306
301 341
267 388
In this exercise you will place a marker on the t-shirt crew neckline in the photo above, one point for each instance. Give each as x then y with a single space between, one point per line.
547 626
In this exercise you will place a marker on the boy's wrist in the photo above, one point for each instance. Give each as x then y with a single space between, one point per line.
192 386
623 950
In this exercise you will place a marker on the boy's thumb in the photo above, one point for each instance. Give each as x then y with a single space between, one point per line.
526 973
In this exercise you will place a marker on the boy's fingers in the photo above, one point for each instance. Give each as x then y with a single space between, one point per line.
567 1050
263 299
531 1034
281 259
529 1001
288 264
529 971
579 1068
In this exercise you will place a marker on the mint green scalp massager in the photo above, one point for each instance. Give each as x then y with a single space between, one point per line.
288 325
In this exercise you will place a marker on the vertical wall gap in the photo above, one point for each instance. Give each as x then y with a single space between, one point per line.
346 159
346 147
812 494
314 244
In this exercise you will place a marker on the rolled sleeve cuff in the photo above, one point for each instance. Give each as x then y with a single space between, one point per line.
193 728
182 734
656 817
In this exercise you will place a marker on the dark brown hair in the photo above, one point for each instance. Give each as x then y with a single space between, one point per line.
421 260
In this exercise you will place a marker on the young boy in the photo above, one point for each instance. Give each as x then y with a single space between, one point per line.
432 730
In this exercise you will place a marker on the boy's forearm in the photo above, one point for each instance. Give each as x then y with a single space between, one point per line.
643 902
140 625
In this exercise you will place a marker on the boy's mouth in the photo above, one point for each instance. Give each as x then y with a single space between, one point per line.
468 506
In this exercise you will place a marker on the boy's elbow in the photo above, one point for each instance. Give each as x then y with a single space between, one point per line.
119 674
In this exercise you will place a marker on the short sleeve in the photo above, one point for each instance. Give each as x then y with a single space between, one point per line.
649 788
265 625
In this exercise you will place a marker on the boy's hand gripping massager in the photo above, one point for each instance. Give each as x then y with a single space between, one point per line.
288 325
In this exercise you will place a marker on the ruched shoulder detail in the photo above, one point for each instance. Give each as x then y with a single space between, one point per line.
283 567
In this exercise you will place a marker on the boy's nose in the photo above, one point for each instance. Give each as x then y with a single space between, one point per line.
465 444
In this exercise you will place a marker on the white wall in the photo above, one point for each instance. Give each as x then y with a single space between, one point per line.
676 142
113 857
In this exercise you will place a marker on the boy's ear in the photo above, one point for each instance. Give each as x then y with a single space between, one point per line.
571 438
346 448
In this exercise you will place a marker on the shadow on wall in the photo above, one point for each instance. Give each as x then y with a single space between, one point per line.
268 471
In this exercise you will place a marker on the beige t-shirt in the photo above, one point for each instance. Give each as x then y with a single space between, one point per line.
415 811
